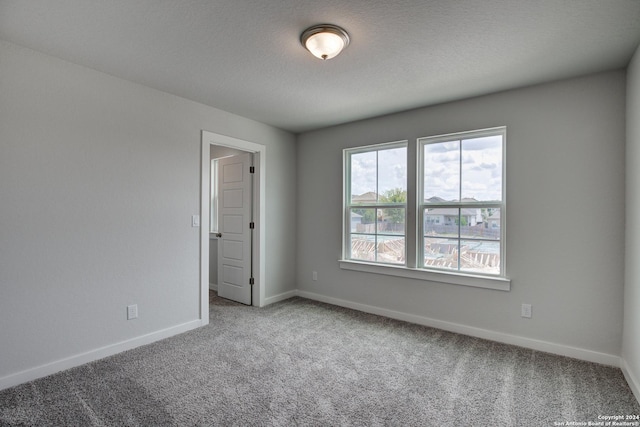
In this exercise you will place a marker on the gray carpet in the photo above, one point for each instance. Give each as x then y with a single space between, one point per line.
300 362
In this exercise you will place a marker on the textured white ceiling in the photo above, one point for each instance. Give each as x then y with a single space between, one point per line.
244 56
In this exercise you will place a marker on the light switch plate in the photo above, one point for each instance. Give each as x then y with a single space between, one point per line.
195 220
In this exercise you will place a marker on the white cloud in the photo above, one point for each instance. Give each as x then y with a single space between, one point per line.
481 172
379 172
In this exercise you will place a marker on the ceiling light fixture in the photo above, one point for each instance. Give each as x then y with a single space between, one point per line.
324 41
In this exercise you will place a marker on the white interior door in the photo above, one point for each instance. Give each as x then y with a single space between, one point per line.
235 185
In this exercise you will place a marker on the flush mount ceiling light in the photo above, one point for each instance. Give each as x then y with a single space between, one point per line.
324 41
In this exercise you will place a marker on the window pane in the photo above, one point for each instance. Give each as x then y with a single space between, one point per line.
387 249
492 223
391 221
391 249
392 172
487 225
482 169
363 247
480 256
440 253
472 222
442 172
442 222
364 177
363 221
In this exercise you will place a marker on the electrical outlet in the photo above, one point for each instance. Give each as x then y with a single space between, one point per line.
132 311
526 311
314 275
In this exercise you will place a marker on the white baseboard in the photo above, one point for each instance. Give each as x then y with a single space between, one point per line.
213 287
280 297
632 380
548 347
99 353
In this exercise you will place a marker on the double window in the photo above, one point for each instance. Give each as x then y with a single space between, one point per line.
459 204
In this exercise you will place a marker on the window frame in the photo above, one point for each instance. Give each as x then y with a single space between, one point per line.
348 205
414 220
421 205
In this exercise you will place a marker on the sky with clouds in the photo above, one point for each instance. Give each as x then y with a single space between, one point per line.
480 170
390 173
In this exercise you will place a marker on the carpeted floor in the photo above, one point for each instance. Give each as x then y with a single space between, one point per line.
300 362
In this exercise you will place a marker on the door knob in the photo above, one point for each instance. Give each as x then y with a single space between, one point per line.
218 235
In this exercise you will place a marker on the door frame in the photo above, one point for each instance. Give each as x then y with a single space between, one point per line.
259 215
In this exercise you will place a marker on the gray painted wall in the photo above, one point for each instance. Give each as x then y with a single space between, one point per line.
99 178
565 204
631 340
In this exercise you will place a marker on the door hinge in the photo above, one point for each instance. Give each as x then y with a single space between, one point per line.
252 169
252 225
251 281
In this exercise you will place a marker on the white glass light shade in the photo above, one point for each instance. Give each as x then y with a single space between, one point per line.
325 45
325 41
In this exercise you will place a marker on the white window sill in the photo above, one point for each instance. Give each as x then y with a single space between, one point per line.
487 282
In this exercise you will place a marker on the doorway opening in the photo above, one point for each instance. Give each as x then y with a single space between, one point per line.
213 143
